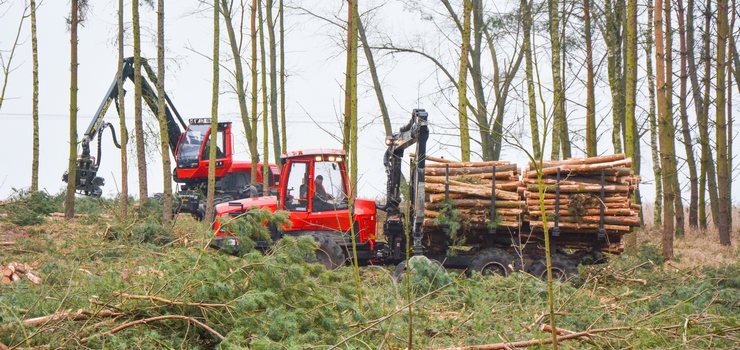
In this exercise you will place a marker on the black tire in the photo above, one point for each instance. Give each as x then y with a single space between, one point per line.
492 261
328 253
563 268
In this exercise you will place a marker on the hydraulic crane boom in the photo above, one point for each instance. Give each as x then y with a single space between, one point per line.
87 182
415 132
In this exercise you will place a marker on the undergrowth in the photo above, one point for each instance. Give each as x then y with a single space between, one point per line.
278 301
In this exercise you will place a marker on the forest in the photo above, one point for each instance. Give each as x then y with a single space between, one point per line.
566 178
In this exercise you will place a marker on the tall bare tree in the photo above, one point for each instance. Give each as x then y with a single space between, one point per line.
162 116
657 171
77 8
212 148
612 31
667 148
462 99
591 142
277 142
122 117
249 127
723 171
283 131
35 103
529 71
560 138
265 111
684 116
138 122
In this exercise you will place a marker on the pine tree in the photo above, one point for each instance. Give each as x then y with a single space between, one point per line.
283 136
529 70
560 139
77 7
657 171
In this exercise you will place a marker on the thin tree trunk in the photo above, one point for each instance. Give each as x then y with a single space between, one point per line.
69 202
249 128
707 158
666 134
612 35
213 142
138 122
699 110
560 123
489 147
723 171
730 54
591 143
462 99
265 111
35 103
161 109
632 138
672 172
7 67
273 82
122 117
685 129
284 137
529 70
657 171
255 97
376 80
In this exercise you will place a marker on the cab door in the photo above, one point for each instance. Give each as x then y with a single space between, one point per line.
329 204
295 196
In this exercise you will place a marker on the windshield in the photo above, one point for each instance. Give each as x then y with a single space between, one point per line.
192 140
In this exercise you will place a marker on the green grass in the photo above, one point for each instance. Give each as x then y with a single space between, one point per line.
278 301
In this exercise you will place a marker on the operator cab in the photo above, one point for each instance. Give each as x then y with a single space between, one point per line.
193 150
316 182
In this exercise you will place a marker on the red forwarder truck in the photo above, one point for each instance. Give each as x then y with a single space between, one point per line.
313 187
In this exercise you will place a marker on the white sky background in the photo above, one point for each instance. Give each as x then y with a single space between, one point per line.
315 64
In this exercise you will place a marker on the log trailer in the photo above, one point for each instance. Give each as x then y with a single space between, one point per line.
313 189
189 145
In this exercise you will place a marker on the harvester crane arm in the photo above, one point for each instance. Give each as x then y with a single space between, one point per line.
415 132
87 181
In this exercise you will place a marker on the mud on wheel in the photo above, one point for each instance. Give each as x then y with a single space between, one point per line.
328 253
492 261
563 268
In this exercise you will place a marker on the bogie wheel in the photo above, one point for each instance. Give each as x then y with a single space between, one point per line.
492 261
562 268
328 252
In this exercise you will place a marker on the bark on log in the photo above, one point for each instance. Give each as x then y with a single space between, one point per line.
505 186
471 191
500 175
451 165
464 171
582 188
475 203
581 161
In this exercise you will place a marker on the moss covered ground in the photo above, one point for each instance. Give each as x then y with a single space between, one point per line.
139 285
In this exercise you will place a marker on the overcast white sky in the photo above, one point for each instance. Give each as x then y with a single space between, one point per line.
315 63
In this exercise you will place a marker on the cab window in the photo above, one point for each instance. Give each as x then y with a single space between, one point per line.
329 191
296 190
221 146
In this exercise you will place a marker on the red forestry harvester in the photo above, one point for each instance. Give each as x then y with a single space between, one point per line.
189 144
313 189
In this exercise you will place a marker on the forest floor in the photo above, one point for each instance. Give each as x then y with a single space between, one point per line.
135 285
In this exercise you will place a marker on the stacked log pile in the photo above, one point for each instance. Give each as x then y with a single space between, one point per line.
16 271
469 190
580 202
